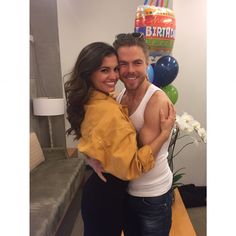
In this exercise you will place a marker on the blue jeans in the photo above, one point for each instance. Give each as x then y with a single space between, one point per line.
148 216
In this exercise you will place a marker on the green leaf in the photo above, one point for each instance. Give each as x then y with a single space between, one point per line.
178 170
175 185
178 177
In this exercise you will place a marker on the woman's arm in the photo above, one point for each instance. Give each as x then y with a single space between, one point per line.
166 125
112 141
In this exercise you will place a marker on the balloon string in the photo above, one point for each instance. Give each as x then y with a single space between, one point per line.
162 3
167 3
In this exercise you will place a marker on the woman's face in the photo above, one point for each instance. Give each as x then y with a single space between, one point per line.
106 77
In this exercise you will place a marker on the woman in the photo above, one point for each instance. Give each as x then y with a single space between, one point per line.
107 135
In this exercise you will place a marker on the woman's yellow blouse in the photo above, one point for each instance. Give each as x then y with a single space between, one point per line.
108 136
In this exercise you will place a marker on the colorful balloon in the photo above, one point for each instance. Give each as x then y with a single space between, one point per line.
158 25
165 71
171 92
153 65
150 72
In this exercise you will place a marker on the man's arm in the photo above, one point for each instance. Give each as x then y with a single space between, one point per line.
152 123
153 118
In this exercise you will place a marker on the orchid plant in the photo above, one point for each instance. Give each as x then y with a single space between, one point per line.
185 126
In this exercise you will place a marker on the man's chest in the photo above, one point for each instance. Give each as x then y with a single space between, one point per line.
132 105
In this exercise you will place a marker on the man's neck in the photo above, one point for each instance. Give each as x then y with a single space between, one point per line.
132 98
139 92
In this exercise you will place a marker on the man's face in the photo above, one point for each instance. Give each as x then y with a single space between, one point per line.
133 66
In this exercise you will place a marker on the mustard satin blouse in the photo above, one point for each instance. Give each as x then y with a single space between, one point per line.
109 136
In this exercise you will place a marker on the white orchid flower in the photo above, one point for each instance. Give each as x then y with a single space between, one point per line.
181 123
190 128
186 117
202 132
195 124
187 123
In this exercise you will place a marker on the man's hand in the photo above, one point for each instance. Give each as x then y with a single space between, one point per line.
97 167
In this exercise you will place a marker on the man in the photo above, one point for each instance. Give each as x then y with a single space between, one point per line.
147 206
148 202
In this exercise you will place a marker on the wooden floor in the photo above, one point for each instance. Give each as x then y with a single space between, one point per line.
181 224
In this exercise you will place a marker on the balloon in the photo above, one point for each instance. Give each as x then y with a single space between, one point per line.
153 65
158 26
165 71
150 72
171 92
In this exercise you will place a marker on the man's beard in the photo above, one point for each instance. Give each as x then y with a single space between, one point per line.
140 78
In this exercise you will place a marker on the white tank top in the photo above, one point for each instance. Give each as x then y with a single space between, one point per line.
158 180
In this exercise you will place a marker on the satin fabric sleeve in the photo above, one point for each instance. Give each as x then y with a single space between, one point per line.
113 143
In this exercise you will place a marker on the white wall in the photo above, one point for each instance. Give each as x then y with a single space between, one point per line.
190 52
82 22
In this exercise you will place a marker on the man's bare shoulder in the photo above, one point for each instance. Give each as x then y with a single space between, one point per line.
159 98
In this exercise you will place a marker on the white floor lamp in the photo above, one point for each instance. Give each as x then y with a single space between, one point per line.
45 106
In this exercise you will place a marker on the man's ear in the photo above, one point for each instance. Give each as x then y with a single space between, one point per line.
147 64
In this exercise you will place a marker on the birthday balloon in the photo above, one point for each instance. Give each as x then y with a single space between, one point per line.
165 71
171 92
150 72
158 26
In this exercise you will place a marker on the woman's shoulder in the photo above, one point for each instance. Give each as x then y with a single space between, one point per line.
104 107
112 107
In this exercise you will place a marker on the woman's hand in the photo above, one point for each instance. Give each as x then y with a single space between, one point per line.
96 166
168 123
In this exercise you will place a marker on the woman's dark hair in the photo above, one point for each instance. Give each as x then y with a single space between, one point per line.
77 88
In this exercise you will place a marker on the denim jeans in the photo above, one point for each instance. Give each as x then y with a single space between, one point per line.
148 216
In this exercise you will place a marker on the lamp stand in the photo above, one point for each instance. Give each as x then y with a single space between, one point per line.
50 131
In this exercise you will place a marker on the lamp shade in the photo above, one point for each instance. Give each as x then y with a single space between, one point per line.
45 106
